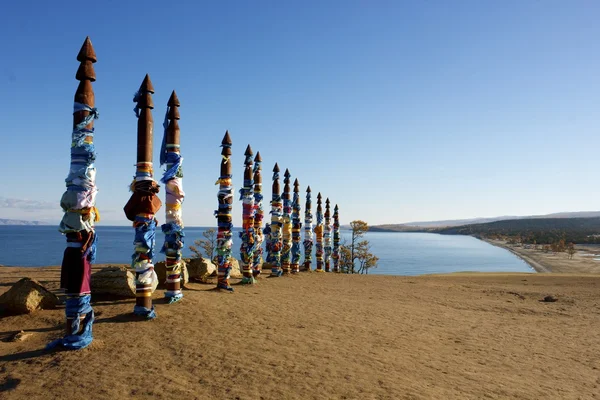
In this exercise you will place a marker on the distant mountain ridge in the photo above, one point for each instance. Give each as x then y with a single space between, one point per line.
420 225
5 221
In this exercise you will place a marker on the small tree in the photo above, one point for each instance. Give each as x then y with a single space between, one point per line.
571 250
207 244
366 260
357 251
359 228
345 257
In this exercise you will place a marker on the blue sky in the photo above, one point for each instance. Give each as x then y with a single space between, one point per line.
398 111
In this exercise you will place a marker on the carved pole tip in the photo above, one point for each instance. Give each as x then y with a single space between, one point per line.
276 168
226 138
248 151
87 52
173 100
146 86
257 158
308 189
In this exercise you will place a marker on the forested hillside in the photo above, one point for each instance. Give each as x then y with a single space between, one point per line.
538 230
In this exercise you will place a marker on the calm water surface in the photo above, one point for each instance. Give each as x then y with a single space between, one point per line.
399 253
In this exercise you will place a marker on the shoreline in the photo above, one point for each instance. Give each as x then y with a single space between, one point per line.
536 265
585 259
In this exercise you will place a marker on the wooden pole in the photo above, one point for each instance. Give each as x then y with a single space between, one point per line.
308 231
327 237
248 211
144 204
287 225
296 227
79 205
319 234
170 156
336 239
274 230
258 216
225 225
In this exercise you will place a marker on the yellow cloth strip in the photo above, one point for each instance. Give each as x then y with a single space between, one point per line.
85 212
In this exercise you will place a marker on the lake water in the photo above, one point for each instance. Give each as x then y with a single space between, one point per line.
399 253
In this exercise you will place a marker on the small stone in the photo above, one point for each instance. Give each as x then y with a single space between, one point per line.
235 269
550 299
116 281
27 296
21 336
200 268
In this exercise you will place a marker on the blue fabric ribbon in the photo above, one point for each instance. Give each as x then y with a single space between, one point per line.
145 234
173 236
142 311
171 158
75 307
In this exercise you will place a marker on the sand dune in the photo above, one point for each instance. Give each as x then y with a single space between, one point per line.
324 336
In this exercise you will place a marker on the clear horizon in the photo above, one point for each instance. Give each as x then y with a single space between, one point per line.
398 112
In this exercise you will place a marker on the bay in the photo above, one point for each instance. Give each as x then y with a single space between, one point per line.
399 253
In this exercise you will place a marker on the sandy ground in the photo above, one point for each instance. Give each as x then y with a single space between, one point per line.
582 261
324 336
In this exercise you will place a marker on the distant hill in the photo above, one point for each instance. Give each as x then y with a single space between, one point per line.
4 221
538 230
414 226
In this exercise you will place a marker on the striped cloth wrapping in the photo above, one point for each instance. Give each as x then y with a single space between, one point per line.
258 218
336 240
296 228
247 234
78 224
308 233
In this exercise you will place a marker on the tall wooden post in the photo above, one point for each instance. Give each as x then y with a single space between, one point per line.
274 230
170 155
296 227
248 211
223 214
308 232
319 235
336 239
287 224
258 216
327 237
79 205
144 204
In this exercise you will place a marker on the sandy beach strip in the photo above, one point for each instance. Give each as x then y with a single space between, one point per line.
537 266
582 262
